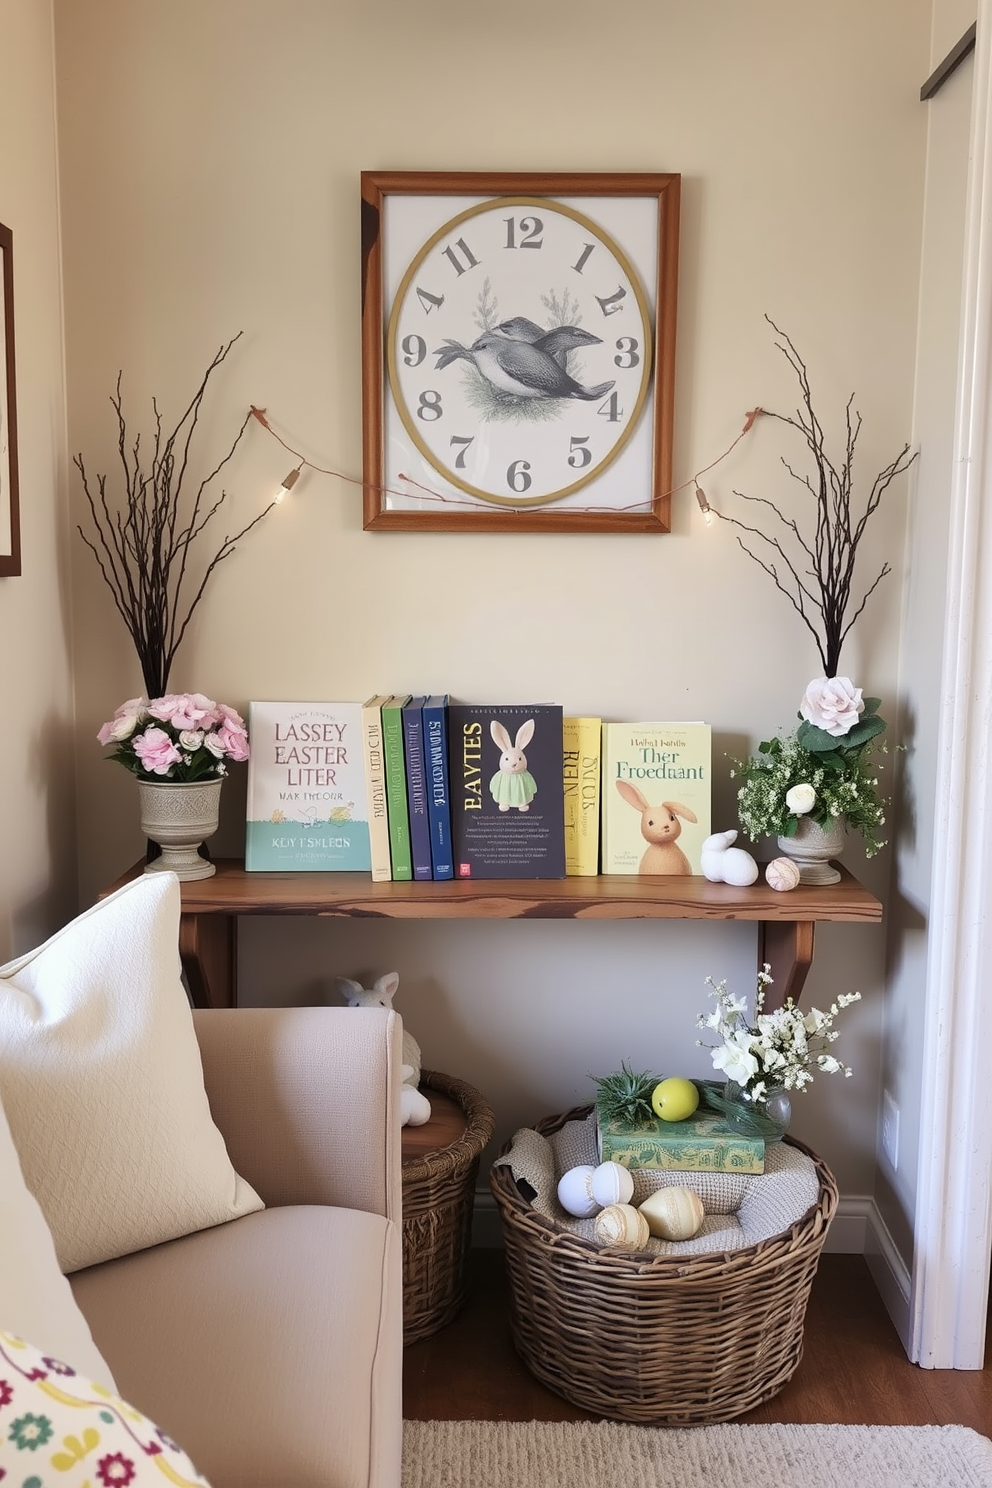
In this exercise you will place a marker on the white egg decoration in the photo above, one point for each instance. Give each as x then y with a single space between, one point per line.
782 874
622 1224
673 1213
611 1183
575 1194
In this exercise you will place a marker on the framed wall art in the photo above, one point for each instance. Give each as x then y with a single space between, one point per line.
10 529
518 350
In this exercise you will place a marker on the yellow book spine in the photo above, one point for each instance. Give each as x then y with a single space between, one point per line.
582 742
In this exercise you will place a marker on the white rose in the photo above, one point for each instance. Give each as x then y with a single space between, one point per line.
191 739
124 726
800 799
833 704
215 744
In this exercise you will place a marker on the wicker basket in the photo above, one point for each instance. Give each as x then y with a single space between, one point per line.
658 1339
438 1196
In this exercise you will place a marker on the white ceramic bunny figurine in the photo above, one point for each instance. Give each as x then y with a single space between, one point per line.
724 863
415 1108
513 785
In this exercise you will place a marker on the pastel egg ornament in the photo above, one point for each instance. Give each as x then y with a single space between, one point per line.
575 1193
622 1224
673 1213
611 1183
782 874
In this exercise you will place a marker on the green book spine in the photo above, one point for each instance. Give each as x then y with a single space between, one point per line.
703 1143
396 802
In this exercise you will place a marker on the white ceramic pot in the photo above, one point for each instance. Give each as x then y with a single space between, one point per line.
179 815
812 848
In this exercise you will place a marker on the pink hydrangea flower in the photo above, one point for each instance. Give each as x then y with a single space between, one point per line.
235 741
156 751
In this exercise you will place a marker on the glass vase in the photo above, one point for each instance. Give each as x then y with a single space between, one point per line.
768 1118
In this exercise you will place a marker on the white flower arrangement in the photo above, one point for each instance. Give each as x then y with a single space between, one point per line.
825 770
779 1050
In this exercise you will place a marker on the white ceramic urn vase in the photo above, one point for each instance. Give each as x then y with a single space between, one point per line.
812 848
179 815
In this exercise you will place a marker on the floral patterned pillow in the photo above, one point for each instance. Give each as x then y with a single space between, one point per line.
58 1428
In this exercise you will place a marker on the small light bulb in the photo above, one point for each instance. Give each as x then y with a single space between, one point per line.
288 483
704 505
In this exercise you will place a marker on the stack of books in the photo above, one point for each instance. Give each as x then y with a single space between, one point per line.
702 1143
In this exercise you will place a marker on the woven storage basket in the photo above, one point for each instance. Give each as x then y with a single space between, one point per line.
658 1339
438 1195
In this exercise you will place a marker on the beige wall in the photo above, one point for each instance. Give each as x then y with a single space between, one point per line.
210 156
38 863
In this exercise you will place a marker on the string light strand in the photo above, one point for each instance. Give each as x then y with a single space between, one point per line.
304 464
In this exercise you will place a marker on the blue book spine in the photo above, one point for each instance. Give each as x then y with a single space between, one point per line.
416 787
438 798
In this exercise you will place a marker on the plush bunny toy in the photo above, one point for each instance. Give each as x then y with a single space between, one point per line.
415 1108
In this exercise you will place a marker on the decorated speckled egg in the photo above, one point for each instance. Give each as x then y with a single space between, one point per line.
673 1213
575 1193
622 1224
611 1184
782 874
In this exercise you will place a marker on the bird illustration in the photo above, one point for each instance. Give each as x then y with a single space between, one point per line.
518 367
519 328
558 342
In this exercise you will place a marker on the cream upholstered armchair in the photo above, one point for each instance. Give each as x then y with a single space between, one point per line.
201 1214
271 1346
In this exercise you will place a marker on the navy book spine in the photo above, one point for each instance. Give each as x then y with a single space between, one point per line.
416 787
435 713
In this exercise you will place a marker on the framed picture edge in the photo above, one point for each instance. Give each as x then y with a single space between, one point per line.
376 186
10 563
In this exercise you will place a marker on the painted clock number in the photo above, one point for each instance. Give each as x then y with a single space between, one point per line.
627 353
531 229
450 253
461 439
583 257
610 304
414 350
579 453
518 477
611 410
429 408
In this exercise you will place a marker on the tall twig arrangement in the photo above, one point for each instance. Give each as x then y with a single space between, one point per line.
144 543
812 562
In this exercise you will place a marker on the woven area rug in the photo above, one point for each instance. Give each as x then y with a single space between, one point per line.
536 1454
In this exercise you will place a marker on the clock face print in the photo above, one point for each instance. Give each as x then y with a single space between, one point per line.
519 351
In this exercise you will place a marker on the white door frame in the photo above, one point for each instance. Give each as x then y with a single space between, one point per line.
953 1228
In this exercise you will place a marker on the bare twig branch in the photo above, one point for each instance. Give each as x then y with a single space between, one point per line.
832 546
144 546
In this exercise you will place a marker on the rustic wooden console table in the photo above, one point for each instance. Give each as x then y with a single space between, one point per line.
786 922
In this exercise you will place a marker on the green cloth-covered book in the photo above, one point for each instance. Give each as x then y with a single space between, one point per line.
702 1143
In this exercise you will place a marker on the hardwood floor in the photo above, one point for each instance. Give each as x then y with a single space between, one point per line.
853 1372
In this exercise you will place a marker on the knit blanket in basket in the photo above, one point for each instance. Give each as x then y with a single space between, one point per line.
740 1209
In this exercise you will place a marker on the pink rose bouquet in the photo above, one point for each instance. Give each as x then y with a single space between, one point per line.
183 736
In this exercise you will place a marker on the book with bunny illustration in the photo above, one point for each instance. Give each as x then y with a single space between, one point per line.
507 790
306 788
655 797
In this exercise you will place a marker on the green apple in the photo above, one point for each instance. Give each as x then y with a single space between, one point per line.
674 1099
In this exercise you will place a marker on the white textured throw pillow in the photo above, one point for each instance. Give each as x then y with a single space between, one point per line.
101 1079
35 1298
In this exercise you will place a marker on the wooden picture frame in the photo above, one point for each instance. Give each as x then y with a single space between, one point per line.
10 526
518 350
